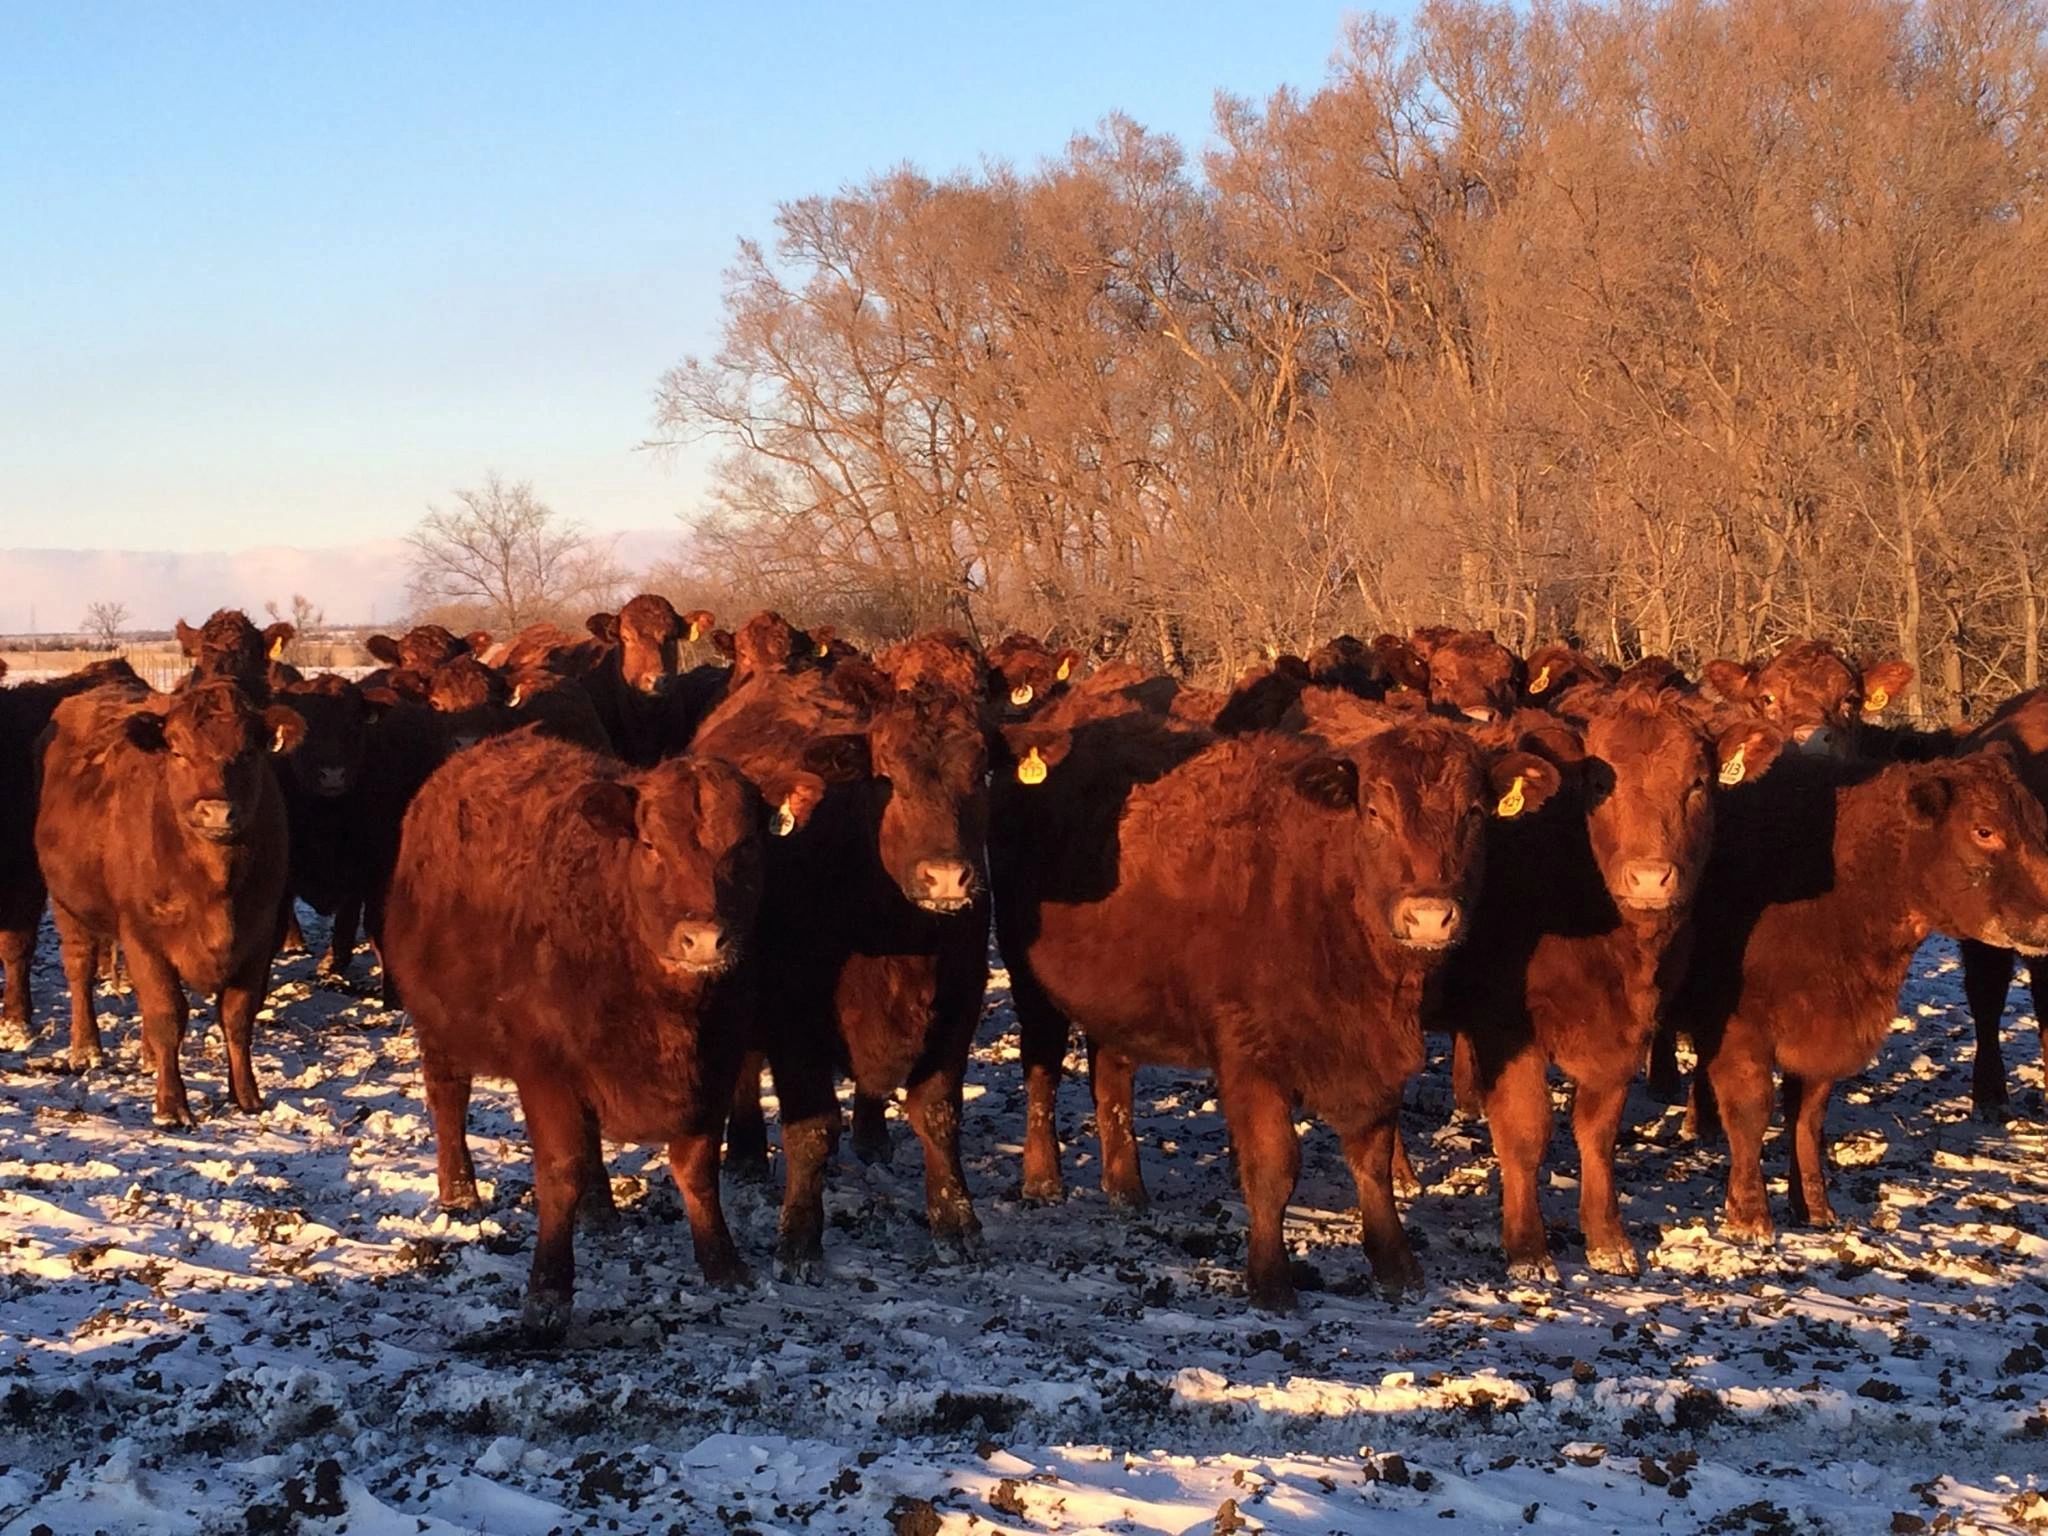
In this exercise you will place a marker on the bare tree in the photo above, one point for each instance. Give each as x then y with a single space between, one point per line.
502 558
103 621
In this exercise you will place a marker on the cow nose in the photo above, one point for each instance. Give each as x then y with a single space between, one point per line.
1814 738
696 946
1485 714
1427 922
334 780
656 684
1649 882
944 883
462 743
213 816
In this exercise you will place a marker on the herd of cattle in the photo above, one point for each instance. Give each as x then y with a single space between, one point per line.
626 884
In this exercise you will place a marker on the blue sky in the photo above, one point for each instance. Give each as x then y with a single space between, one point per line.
286 274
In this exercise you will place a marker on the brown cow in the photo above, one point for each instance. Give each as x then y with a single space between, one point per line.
1580 932
330 808
1470 673
641 890
1819 698
25 710
1824 879
161 824
229 647
876 924
1552 670
1025 673
1310 890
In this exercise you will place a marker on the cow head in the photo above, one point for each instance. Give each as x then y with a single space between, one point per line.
920 766
1812 692
1552 670
1648 781
939 659
1470 673
1411 803
471 698
1978 850
227 647
648 634
1024 672
337 718
212 744
691 832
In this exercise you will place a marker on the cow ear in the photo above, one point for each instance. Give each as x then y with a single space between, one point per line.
275 638
385 649
796 795
1746 751
1929 798
723 643
1730 680
478 641
862 684
144 730
285 727
1329 782
188 638
609 806
1522 782
838 759
1885 682
604 626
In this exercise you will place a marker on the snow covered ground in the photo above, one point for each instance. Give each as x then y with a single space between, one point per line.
265 1326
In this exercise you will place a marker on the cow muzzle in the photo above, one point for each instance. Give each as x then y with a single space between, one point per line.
1817 740
1427 922
942 885
1648 885
331 781
698 949
216 820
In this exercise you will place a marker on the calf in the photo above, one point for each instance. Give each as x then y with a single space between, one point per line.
1310 891
25 711
876 926
161 824
333 863
1470 673
1824 879
542 890
1817 697
1579 934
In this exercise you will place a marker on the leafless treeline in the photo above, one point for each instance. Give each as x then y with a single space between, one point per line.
1680 327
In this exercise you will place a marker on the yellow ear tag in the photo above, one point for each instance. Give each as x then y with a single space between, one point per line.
1021 695
518 695
783 822
277 741
1032 769
1733 770
277 652
1066 667
1512 802
1541 680
691 635
821 649
1876 700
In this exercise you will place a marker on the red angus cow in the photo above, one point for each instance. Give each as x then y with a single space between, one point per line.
1553 670
1825 877
228 646
875 932
330 810
161 824
578 927
1310 890
1470 673
25 710
1580 933
1024 674
1817 697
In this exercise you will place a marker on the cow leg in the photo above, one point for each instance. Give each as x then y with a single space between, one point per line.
1667 1083
1987 977
810 1120
1369 1150
693 1160
1740 1072
17 954
932 1105
448 1107
81 960
595 1209
341 948
1042 1043
871 1142
1806 1107
1261 1121
746 1128
164 1011
1113 1076
1702 1111
555 1127
1468 1097
1518 1115
2037 984
1596 1122
290 939
1406 1183
239 1001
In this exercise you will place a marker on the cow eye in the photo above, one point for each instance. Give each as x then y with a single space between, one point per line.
1769 699
1987 837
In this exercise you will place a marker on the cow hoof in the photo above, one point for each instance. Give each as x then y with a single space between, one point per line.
462 1204
597 1216
807 1271
729 1273
86 1061
1277 1296
747 1167
1132 1202
544 1318
1042 1192
1822 1220
1749 1231
1991 1114
968 1247
1614 1261
249 1104
1406 1185
1541 1271
172 1120
875 1150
